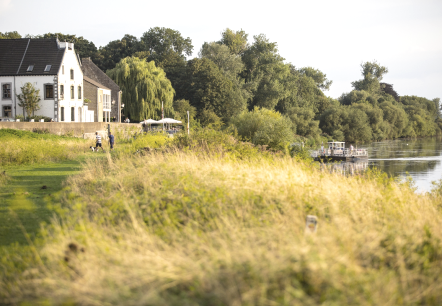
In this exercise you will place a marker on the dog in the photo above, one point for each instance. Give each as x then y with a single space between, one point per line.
92 148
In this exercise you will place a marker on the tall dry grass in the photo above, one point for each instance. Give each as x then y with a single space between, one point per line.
22 147
180 229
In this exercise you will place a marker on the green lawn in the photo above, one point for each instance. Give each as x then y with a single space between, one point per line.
25 195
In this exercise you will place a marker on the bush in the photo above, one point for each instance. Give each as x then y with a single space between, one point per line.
38 118
264 127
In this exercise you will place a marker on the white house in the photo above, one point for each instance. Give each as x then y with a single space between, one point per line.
51 66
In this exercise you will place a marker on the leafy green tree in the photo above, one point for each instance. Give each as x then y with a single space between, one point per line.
208 118
235 41
161 42
380 129
438 107
305 96
29 99
264 127
356 126
230 64
395 116
373 73
168 48
207 87
319 77
116 50
332 122
303 122
144 86
266 72
10 35
181 107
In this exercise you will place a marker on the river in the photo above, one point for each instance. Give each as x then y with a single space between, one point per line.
420 158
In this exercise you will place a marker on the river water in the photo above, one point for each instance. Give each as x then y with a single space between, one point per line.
420 158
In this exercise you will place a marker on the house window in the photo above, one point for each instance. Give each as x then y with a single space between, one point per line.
61 92
62 69
73 114
30 68
6 91
72 74
48 68
62 114
49 91
72 92
7 111
79 92
106 102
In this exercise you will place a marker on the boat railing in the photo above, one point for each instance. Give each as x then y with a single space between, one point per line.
338 152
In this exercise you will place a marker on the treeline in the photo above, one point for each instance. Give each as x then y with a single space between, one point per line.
233 76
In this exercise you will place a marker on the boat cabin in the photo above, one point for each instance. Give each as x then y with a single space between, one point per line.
336 145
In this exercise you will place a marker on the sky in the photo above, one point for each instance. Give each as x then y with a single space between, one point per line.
333 36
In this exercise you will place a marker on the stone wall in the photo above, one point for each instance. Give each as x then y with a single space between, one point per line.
78 129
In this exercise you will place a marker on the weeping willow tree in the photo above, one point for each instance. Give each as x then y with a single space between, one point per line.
144 86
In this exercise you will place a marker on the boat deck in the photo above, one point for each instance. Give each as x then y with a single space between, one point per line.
337 152
335 158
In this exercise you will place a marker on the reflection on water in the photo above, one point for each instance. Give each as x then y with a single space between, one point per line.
420 158
346 168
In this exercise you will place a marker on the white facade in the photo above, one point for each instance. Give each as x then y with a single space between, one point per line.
64 103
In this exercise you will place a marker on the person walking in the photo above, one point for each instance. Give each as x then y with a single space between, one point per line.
98 142
111 140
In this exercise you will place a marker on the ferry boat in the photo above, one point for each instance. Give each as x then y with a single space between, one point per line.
337 151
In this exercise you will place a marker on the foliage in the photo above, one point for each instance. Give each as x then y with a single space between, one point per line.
236 41
232 75
230 64
373 73
181 107
319 77
83 47
218 144
208 118
23 147
160 42
38 118
208 88
264 127
29 98
115 51
144 87
10 35
266 73
216 230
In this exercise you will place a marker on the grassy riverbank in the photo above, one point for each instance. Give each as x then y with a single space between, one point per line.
23 147
212 221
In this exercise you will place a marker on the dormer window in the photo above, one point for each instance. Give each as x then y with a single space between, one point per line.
30 68
48 68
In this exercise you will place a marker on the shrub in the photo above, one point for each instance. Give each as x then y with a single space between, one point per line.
38 118
264 127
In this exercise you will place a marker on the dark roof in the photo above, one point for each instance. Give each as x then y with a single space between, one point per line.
17 54
94 83
92 71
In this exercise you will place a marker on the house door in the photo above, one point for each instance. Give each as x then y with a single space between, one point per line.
79 115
